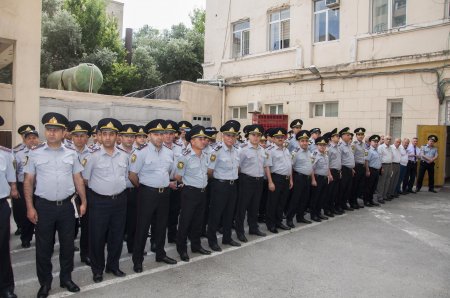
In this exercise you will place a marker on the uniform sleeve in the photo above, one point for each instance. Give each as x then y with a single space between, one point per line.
77 166
10 171
19 163
90 161
314 160
30 167
137 160
181 166
213 160
266 159
269 158
367 156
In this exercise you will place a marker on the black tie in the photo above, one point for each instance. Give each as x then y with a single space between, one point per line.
415 153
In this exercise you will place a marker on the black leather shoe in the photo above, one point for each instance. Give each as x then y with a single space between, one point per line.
374 204
283 226
7 293
329 213
98 277
76 248
153 247
215 247
172 240
184 257
201 251
43 291
70 286
273 230
26 244
257 233
367 204
388 199
354 206
166 260
261 220
231 243
432 190
381 201
137 268
347 208
338 211
361 206
86 260
18 231
116 272
290 224
303 220
322 217
241 237
315 218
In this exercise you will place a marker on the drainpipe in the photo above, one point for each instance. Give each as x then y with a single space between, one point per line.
221 84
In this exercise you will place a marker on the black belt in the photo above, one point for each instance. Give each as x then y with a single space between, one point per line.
195 188
251 177
231 182
112 197
287 177
301 174
360 164
387 163
156 189
3 201
395 163
57 203
412 161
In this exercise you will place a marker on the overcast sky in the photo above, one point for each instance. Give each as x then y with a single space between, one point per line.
160 14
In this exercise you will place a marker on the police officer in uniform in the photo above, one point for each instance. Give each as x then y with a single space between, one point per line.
335 163
80 132
302 166
105 173
252 163
320 179
57 172
141 136
150 168
192 172
7 188
279 176
296 126
31 139
183 127
428 154
359 152
348 163
373 170
315 133
223 167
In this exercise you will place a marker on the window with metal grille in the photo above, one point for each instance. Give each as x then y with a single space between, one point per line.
395 108
241 39
279 29
326 22
275 109
239 112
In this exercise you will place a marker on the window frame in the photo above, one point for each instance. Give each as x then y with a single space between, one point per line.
277 108
324 109
238 108
390 17
326 11
391 115
279 21
241 32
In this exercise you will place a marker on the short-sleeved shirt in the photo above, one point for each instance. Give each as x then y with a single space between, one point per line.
320 163
7 173
428 151
373 158
292 144
396 154
193 168
53 169
120 147
302 161
347 157
334 157
21 157
280 160
152 165
225 162
252 161
385 153
404 156
312 145
359 151
106 174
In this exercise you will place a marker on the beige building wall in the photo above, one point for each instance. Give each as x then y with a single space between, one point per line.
20 22
115 9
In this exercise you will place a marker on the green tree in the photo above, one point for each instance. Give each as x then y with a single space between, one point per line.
103 58
122 79
147 68
198 17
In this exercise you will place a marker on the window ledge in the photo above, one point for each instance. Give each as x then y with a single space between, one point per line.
254 56
326 42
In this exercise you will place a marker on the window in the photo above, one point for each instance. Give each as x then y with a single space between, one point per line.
239 112
241 39
275 109
326 22
395 108
279 29
388 14
447 113
325 109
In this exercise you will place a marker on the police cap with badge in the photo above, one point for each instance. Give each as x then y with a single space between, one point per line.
434 138
303 134
231 127
129 129
24 128
55 120
278 132
255 129
345 131
315 130
79 127
197 131
156 126
297 123
109 124
171 126
211 132
360 131
184 125
141 131
375 138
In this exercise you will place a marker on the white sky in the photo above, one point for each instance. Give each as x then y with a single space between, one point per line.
160 14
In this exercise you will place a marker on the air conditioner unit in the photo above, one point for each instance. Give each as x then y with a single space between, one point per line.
254 107
332 3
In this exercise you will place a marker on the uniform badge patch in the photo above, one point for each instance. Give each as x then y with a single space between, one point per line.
267 155
133 157
213 157
180 165
366 153
26 161
83 162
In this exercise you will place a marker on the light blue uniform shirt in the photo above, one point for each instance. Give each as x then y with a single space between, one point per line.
428 151
320 163
347 157
153 165
21 157
293 144
120 147
193 169
225 162
7 173
301 161
373 158
334 157
359 151
312 145
106 174
280 160
54 169
252 161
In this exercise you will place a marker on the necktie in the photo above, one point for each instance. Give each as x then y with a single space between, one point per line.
415 153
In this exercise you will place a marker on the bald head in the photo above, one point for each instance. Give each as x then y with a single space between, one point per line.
387 140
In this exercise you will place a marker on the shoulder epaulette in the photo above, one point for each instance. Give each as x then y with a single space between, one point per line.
270 147
175 143
17 146
16 150
244 145
186 151
121 149
236 146
296 149
68 147
38 146
142 146
217 148
5 149
314 153
94 149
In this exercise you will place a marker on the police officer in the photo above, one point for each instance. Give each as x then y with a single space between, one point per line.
223 167
141 137
373 169
296 126
315 133
96 138
348 163
279 176
252 162
428 154
332 205
183 127
80 131
360 153
128 137
105 174
150 168
320 179
302 166
7 188
192 169
31 139
57 172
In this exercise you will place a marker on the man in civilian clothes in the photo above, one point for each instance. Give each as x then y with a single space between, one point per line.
385 152
403 165
411 171
396 157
